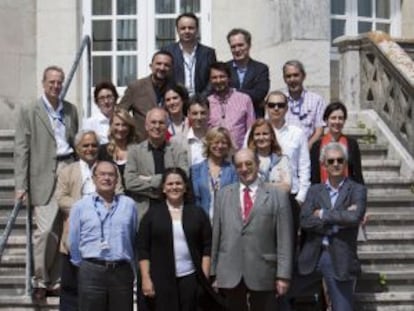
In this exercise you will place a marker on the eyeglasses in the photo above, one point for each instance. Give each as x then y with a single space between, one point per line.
276 105
337 160
107 97
105 174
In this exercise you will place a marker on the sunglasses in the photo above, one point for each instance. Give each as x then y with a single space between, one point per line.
276 105
337 160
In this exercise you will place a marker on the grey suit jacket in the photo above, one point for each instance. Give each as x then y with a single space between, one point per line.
68 191
140 163
259 250
342 244
35 149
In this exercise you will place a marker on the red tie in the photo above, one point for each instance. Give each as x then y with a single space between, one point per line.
247 202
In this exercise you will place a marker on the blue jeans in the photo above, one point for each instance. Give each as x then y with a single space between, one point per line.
340 292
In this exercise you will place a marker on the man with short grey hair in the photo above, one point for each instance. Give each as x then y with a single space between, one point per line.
306 108
44 137
330 217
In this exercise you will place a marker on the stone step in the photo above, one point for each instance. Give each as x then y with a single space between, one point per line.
383 168
7 134
389 301
12 271
372 256
373 151
23 303
384 281
396 185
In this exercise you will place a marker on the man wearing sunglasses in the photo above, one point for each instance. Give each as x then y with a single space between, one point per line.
330 217
305 108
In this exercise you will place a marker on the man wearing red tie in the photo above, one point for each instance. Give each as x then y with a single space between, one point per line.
252 248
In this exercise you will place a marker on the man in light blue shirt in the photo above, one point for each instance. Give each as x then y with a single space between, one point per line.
102 239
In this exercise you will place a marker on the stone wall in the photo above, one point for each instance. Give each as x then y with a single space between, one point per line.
17 57
281 30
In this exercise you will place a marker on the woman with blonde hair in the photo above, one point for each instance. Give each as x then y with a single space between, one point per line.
121 134
274 166
215 171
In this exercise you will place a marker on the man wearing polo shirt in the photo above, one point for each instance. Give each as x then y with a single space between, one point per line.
102 237
45 131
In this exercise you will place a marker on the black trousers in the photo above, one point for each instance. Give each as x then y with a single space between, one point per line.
240 298
105 288
69 285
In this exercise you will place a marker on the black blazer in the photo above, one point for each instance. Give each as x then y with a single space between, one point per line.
343 244
256 83
354 162
205 56
155 243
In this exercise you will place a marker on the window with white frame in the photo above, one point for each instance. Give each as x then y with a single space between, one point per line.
352 17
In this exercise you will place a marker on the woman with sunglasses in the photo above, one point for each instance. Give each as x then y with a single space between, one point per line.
274 166
335 116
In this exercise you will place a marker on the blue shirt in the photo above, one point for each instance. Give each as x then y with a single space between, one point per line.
333 195
102 233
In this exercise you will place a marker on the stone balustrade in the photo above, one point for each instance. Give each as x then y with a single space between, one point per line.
376 73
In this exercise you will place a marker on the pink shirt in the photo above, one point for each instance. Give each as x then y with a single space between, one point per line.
235 112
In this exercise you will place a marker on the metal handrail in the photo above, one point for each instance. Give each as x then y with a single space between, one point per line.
9 226
86 43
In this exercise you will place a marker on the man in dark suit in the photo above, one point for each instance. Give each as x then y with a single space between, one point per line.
144 94
192 60
330 217
252 240
44 137
248 76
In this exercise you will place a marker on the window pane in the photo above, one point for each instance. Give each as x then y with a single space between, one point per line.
190 6
337 28
338 7
126 7
127 70
102 7
101 69
101 35
365 8
164 32
383 8
165 6
126 35
383 27
364 27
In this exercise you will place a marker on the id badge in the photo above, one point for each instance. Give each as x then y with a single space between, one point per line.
104 245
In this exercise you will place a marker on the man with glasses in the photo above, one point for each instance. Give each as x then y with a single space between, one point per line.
330 217
102 240
305 108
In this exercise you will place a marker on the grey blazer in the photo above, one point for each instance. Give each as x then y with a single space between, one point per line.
35 149
342 244
140 162
259 250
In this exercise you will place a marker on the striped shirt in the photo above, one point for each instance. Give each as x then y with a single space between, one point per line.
235 112
306 112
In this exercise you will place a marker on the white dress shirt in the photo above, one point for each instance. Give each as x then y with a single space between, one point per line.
56 118
100 124
253 191
88 186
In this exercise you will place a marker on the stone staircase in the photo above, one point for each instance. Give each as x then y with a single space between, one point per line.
387 257
12 266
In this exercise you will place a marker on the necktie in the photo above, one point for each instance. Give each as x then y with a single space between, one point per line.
247 203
